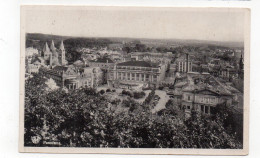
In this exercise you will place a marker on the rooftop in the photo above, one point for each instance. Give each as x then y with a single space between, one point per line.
138 64
60 68
103 60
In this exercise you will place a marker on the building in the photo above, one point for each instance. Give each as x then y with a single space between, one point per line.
33 68
184 64
54 56
205 92
104 63
204 99
30 51
132 74
228 72
72 77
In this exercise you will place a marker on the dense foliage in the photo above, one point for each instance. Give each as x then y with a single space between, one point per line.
85 118
136 95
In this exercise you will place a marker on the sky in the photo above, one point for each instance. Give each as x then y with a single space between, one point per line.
157 23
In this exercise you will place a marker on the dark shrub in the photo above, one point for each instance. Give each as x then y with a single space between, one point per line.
138 95
102 91
161 88
124 92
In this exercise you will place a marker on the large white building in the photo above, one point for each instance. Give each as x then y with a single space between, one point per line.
135 73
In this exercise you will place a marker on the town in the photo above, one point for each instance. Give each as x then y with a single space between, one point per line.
191 77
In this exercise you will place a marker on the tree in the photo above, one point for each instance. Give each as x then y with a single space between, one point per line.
232 120
83 118
102 92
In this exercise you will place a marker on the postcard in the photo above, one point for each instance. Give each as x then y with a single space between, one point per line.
134 80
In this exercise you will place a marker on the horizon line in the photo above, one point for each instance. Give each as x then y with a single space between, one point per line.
75 36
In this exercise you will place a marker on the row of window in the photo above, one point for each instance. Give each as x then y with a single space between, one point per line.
207 100
137 76
202 100
183 67
71 86
137 68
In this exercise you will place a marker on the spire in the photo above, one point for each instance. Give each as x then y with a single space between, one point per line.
46 48
53 46
61 45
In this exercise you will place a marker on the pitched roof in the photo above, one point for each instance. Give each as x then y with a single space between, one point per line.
61 46
103 60
52 46
60 68
138 63
46 48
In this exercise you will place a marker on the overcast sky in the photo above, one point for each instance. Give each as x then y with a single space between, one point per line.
170 23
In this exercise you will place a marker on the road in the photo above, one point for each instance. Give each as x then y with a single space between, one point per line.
163 100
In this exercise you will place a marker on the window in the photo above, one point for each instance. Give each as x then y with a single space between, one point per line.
123 76
147 77
128 76
202 108
155 78
189 97
188 107
133 76
206 109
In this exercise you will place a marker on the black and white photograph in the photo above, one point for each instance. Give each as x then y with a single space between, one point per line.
134 80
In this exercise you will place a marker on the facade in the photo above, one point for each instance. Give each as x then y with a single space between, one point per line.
227 73
203 100
30 51
73 78
135 73
184 64
54 56
103 63
33 68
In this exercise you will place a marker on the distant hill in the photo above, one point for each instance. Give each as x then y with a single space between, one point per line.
49 37
45 37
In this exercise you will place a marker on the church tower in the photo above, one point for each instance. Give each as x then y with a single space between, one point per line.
53 49
62 49
46 52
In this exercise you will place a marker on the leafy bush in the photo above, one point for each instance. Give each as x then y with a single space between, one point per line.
128 93
138 95
161 88
102 92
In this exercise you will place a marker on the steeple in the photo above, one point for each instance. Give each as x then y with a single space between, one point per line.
61 45
62 49
53 46
46 48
